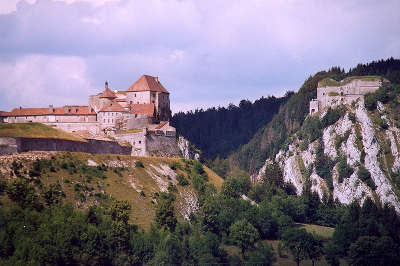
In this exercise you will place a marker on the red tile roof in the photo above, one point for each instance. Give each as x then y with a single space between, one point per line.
107 93
148 83
162 124
3 113
146 109
66 110
113 107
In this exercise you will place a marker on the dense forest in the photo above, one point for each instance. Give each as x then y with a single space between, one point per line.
219 131
37 226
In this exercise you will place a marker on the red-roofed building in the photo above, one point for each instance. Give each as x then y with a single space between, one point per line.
149 90
145 103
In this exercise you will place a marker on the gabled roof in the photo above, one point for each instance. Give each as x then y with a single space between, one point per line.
3 113
145 109
66 110
107 93
148 83
113 107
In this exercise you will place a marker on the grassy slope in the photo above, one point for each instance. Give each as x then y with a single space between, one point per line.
118 183
34 130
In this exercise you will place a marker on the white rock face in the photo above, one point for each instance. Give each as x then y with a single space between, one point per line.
292 174
186 149
318 185
351 188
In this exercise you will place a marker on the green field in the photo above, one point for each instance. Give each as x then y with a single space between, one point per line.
34 130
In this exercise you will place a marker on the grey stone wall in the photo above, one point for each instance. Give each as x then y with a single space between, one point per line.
139 121
13 145
162 146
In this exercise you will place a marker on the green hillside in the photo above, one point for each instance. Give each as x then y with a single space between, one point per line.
34 130
273 136
88 179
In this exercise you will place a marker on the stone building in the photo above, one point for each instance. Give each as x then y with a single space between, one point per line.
144 103
149 90
331 93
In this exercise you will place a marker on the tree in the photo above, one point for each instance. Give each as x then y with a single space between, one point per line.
243 234
314 248
53 194
262 255
165 217
297 241
370 250
23 193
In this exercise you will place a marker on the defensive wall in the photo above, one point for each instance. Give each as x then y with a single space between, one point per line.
17 145
331 93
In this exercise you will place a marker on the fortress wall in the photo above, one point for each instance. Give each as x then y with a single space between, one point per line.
139 121
162 145
8 145
13 145
137 140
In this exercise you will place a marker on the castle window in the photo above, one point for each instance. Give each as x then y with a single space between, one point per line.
140 142
135 96
131 102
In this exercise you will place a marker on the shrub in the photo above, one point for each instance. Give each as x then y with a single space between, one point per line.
182 181
312 128
365 176
172 187
382 123
174 165
332 116
344 170
370 101
139 164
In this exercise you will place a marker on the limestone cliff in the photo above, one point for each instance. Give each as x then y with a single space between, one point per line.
362 147
187 149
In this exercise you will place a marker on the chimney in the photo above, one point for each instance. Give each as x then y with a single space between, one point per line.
156 78
51 109
20 107
106 84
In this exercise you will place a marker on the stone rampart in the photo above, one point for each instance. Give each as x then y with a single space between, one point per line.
16 145
157 145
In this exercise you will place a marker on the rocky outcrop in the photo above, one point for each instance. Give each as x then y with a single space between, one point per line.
362 142
187 149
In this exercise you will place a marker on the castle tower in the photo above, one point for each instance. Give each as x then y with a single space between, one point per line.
149 90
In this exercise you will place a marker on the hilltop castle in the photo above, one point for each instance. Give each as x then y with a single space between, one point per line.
144 104
331 93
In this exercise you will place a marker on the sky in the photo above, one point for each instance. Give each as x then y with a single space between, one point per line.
205 52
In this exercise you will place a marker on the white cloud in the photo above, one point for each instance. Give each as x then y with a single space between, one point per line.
40 80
